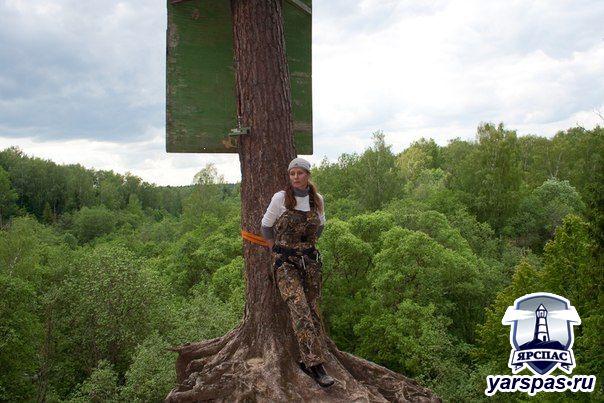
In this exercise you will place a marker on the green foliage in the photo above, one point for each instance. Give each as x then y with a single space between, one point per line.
8 197
345 254
209 197
376 180
135 207
47 215
374 176
369 227
166 230
198 253
40 183
203 316
109 190
20 338
420 156
100 387
480 236
108 304
430 187
437 226
335 178
369 181
346 260
90 223
26 246
489 174
542 211
343 209
572 270
571 266
493 336
498 173
80 184
412 265
577 155
228 280
588 346
155 239
539 160
413 338
151 374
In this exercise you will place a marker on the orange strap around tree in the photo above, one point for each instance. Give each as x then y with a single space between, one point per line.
257 239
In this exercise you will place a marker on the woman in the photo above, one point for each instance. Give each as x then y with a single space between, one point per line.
291 225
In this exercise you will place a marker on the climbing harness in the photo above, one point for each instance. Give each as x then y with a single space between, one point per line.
286 254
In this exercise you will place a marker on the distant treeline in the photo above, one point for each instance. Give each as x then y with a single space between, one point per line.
48 190
493 176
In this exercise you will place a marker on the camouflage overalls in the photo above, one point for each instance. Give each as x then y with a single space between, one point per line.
298 275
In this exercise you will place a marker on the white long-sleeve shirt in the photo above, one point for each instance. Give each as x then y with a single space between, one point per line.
277 207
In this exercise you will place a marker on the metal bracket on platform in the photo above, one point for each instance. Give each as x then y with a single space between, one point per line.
239 130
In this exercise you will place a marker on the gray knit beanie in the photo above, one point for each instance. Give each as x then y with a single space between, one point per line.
299 163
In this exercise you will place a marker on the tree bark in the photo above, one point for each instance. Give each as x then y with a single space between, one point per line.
257 361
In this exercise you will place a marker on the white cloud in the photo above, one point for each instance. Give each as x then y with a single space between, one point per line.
90 69
86 79
146 159
440 71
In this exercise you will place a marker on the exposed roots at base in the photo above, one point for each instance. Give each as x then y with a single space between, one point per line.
225 369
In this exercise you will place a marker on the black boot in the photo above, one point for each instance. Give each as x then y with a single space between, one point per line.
321 376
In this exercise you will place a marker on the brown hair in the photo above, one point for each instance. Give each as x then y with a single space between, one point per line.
313 199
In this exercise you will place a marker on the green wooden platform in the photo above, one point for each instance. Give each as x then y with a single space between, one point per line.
201 105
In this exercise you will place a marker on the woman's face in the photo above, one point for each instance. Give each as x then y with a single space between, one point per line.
298 178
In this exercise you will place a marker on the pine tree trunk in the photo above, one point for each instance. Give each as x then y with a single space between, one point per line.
257 361
264 105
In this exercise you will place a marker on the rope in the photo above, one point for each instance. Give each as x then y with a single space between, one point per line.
253 238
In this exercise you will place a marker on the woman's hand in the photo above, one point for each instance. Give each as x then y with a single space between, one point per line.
270 242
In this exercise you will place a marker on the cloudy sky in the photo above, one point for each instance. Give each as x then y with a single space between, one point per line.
84 81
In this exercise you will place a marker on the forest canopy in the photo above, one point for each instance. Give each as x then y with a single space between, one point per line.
423 251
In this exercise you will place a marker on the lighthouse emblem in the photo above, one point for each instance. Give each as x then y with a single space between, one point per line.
541 333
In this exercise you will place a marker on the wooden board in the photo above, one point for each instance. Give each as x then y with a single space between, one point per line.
201 106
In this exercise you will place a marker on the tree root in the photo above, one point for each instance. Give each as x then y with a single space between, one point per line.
195 354
225 369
